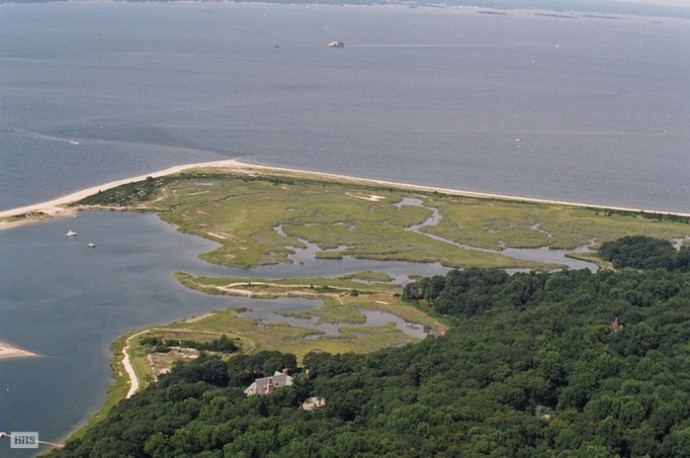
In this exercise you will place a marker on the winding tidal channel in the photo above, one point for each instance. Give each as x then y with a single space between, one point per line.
542 254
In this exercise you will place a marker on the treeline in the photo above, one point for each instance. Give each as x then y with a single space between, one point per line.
564 364
642 252
671 217
223 344
127 194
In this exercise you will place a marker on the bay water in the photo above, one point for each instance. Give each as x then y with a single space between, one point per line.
589 110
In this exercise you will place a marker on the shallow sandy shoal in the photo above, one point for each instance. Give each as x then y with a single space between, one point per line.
8 351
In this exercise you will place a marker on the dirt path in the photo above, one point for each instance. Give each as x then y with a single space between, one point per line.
126 361
133 380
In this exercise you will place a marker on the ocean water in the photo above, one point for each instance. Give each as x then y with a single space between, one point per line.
590 110
91 92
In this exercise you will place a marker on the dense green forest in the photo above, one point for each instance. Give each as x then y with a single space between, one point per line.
642 252
570 363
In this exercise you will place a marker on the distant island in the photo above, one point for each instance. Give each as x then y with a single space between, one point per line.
593 8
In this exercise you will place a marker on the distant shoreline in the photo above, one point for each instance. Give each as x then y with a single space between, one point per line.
58 207
606 9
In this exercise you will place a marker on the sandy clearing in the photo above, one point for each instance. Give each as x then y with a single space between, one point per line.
369 197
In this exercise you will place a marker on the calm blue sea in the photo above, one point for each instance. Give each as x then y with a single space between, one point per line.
584 109
591 110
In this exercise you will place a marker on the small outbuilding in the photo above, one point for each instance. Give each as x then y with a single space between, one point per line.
313 403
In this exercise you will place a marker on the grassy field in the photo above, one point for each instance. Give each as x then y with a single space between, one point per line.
260 219
491 224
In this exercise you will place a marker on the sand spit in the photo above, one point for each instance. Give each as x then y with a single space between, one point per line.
57 207
8 351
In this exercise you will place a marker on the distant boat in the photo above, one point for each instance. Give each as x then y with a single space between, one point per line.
74 142
70 233
336 44
91 245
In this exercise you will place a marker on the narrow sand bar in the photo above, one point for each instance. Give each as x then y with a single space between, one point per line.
58 207
8 351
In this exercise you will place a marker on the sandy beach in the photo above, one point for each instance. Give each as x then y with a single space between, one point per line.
8 351
58 207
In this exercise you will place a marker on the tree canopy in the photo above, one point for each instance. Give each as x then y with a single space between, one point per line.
642 252
532 365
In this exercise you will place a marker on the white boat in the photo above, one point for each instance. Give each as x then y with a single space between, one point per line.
91 245
70 233
336 44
